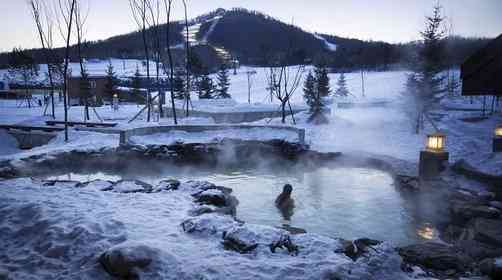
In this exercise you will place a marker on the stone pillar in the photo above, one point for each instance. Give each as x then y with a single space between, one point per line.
497 144
432 163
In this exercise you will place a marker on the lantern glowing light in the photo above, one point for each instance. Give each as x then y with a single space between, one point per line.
436 142
498 131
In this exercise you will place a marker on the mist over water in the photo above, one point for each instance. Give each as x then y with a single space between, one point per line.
335 200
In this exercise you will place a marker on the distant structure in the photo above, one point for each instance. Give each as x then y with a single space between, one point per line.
4 86
97 91
481 73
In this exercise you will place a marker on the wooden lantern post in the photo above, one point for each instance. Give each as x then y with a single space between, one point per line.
434 159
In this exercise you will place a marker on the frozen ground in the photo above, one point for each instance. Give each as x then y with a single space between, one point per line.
382 131
64 230
48 229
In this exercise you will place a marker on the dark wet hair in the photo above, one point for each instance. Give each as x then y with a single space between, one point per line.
287 188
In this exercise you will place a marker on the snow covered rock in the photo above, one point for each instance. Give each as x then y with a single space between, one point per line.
460 210
208 224
212 197
61 183
7 172
492 268
131 186
357 248
126 259
487 231
98 185
167 185
435 256
245 238
496 204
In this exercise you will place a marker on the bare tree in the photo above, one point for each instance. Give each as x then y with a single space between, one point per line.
188 61
65 12
80 22
154 9
168 5
139 10
44 21
285 80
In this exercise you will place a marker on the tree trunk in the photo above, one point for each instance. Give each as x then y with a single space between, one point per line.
283 111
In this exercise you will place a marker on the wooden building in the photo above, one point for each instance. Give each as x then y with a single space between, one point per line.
481 73
98 95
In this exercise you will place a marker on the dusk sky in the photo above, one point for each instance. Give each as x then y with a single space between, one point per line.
387 20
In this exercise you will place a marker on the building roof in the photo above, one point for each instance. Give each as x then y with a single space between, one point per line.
481 73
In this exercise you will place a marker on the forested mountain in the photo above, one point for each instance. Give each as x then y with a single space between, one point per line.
258 39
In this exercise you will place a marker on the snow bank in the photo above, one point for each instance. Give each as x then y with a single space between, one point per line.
8 144
177 136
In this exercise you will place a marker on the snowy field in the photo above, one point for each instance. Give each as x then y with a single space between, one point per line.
64 229
381 131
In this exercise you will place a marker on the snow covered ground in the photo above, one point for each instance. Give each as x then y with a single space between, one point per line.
379 130
175 136
64 229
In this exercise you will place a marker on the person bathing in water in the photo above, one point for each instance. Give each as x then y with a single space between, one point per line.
285 202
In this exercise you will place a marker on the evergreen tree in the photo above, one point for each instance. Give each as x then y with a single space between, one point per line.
424 85
223 83
22 65
205 87
85 87
111 81
314 100
322 78
309 90
179 85
136 83
342 90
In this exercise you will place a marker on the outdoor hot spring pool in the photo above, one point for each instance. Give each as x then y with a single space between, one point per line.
346 202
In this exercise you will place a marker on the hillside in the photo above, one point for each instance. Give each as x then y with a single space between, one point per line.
258 39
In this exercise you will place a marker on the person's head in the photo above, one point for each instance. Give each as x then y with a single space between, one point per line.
288 189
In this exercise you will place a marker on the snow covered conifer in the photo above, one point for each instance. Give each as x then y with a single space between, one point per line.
309 91
136 82
223 83
205 87
111 81
342 90
179 85
314 100
322 78
85 86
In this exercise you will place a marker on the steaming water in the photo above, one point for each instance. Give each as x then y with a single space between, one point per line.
346 202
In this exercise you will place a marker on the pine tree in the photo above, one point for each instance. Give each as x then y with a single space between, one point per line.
424 85
322 78
179 85
314 100
22 65
136 83
85 87
111 82
205 87
223 83
342 90
309 90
